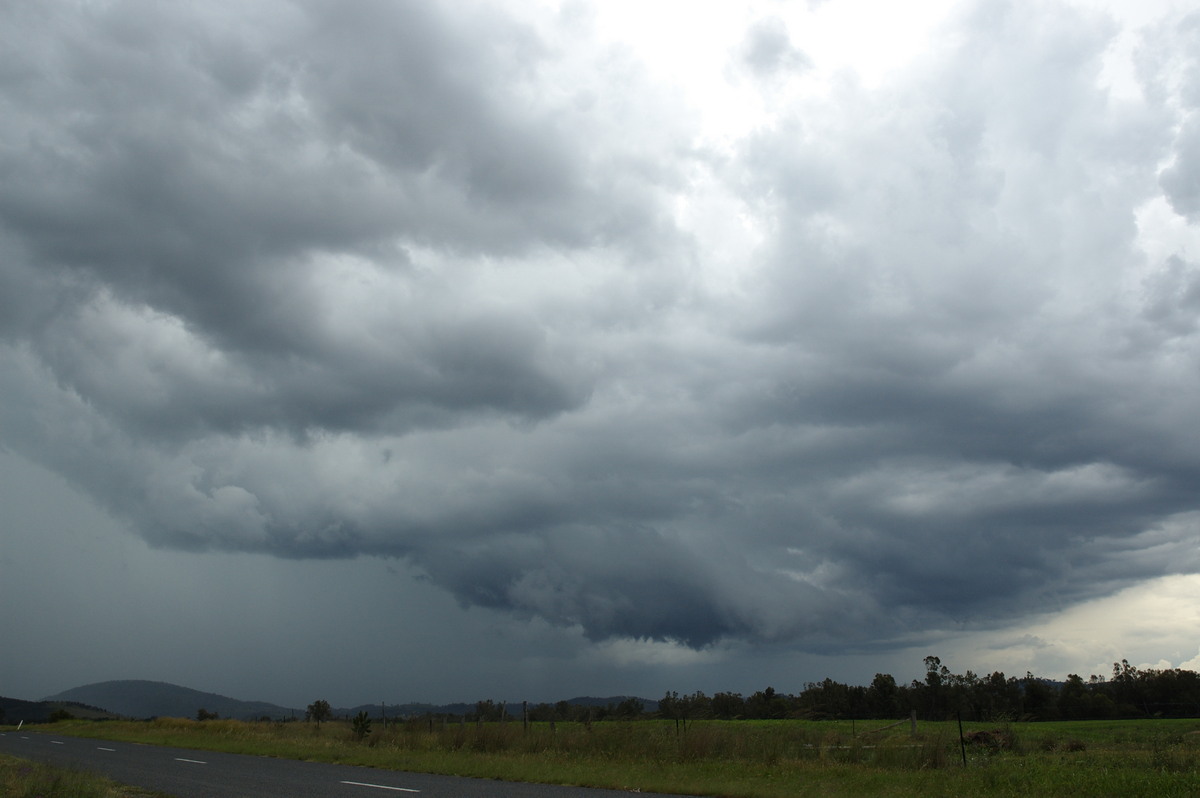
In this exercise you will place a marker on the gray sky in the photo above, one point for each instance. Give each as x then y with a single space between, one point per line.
415 351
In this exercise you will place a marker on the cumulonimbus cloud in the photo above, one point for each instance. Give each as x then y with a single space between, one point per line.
413 282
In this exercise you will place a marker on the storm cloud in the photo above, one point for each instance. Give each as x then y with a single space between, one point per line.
469 287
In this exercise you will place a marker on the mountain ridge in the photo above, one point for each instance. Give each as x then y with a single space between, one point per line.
141 698
16 710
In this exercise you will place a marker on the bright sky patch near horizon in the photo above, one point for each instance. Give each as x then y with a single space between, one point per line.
543 349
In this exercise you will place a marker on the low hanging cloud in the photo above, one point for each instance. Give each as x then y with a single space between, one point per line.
412 281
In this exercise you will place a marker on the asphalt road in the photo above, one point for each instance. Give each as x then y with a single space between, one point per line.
188 773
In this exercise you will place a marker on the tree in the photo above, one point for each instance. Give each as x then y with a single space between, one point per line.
1039 698
630 708
488 710
361 725
883 696
936 676
668 705
998 696
1073 698
204 714
684 708
728 705
766 704
318 711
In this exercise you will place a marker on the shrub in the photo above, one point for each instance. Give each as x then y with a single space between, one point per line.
992 739
361 726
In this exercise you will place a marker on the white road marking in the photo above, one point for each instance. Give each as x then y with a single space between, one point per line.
379 786
57 742
101 748
193 761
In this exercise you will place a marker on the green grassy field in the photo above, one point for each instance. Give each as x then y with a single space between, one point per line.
735 758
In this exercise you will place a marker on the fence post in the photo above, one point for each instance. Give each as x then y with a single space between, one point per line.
962 743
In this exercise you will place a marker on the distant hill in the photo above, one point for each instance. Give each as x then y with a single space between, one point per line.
15 710
145 699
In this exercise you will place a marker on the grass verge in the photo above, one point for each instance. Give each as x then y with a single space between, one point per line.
20 778
736 758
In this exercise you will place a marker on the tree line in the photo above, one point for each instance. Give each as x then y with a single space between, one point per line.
626 709
1130 692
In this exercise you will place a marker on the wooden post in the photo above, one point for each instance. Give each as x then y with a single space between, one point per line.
525 717
913 720
962 743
